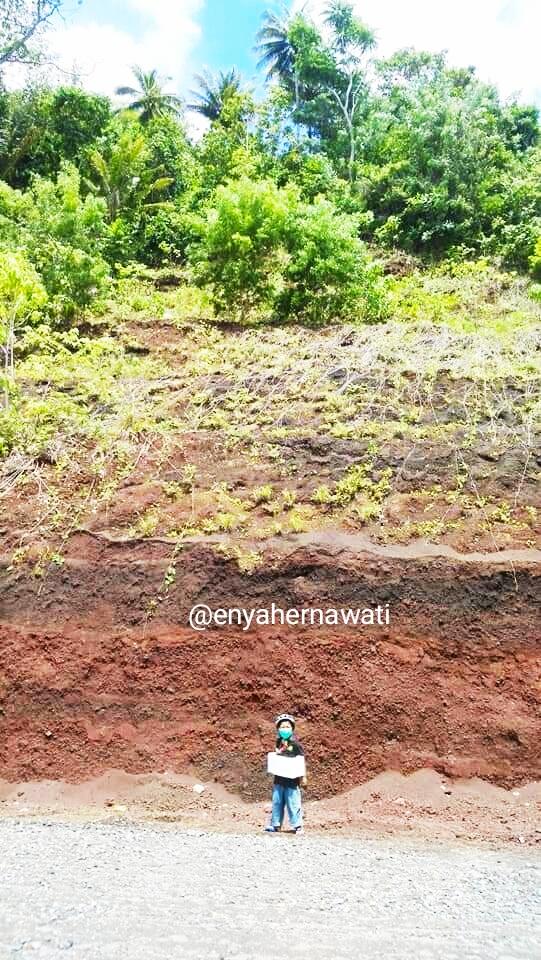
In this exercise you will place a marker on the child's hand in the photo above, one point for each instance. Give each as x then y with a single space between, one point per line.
304 782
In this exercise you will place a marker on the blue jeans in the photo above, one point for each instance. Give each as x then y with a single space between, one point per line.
282 798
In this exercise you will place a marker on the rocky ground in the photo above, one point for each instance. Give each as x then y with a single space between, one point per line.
424 805
118 891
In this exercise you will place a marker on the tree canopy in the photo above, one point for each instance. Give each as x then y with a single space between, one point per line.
339 156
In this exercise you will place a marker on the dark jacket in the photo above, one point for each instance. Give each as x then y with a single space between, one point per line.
288 748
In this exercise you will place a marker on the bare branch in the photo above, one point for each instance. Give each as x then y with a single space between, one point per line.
20 22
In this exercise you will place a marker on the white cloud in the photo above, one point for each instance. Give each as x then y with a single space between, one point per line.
499 37
103 54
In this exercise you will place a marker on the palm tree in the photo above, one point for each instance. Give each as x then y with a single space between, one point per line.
150 100
276 49
348 30
214 92
122 176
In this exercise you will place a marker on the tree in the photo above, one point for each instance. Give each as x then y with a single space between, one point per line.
77 119
513 211
122 176
409 68
521 126
23 126
325 76
350 34
277 52
290 48
351 40
170 151
21 22
436 158
228 149
215 92
41 128
150 100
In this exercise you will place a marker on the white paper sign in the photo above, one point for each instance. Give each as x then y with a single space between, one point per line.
285 766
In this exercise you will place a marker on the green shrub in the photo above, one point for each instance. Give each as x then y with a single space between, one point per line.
22 296
68 236
60 211
164 235
15 212
535 260
263 251
330 275
21 292
122 243
63 235
73 278
314 174
242 251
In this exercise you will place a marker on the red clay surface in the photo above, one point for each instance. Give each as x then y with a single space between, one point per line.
89 681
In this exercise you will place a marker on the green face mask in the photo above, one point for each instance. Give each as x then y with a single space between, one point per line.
285 734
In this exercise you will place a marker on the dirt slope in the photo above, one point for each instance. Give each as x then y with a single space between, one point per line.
344 468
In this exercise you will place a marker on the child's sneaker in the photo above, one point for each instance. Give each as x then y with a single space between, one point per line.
272 829
299 830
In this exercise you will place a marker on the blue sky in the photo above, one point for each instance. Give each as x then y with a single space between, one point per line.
228 31
179 37
101 39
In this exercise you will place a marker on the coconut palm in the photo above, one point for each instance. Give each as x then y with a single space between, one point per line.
149 98
277 52
349 32
275 47
214 92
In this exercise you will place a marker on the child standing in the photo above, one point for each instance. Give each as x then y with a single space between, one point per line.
286 793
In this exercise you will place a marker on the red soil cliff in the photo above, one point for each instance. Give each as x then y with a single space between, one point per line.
90 679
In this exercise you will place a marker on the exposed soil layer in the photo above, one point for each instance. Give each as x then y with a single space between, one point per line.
99 667
255 432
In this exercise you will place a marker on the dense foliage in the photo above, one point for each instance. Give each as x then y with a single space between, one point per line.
260 246
278 210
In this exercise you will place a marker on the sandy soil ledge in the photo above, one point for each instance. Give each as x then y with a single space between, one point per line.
423 806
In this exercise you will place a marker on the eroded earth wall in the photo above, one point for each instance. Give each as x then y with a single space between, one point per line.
100 669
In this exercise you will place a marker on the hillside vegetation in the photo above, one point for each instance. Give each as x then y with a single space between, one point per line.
325 314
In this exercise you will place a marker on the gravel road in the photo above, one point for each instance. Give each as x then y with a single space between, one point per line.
150 892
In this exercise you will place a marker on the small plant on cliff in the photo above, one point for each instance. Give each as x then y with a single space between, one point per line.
247 560
322 495
262 494
170 576
357 481
22 295
47 557
298 520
